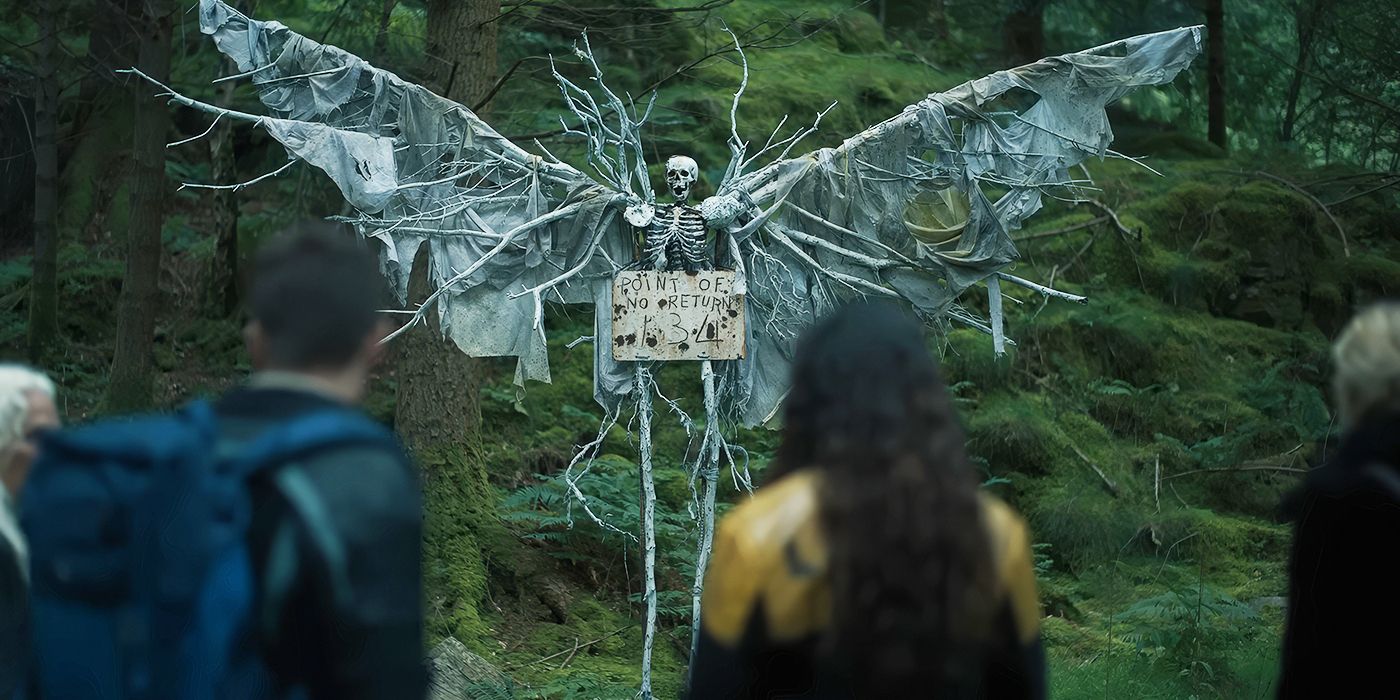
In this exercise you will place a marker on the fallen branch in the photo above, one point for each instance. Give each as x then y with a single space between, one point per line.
576 647
571 655
1113 216
1255 468
1346 249
1061 231
1363 193
1107 482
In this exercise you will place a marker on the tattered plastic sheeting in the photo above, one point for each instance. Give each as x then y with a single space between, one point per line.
421 168
509 230
858 198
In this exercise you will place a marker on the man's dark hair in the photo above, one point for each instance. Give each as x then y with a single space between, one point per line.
314 292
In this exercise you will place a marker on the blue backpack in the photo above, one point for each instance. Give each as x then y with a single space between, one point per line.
142 584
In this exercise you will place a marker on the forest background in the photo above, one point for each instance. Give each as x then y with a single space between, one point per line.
1147 435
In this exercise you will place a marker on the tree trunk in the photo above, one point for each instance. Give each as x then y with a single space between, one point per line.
938 19
112 46
1305 21
381 38
1215 71
43 285
439 387
462 47
438 401
129 387
223 272
1023 32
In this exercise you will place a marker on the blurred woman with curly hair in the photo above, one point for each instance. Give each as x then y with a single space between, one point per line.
871 565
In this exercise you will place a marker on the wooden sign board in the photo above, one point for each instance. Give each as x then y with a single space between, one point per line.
677 316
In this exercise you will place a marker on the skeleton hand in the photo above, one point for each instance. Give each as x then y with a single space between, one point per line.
721 210
638 213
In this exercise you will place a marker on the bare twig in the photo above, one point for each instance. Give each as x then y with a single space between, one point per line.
1346 249
571 654
1113 216
1157 484
1363 193
577 647
1047 291
241 185
1252 468
1060 231
1107 482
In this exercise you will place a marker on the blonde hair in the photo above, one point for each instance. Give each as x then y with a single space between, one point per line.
16 382
1367 361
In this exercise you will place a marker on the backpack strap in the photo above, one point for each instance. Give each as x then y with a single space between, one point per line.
285 449
1384 476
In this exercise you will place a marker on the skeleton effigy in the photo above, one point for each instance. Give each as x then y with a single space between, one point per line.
900 211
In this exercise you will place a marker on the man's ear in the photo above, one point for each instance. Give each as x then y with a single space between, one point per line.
255 339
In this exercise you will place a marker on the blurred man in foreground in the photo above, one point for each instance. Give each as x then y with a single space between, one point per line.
1344 574
265 546
26 410
350 628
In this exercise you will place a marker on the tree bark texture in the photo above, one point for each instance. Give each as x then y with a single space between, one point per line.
112 46
438 402
1023 32
223 291
1306 20
130 385
1215 72
381 37
43 285
462 47
937 19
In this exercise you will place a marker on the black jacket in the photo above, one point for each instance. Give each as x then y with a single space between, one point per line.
1344 574
349 631
767 601
14 617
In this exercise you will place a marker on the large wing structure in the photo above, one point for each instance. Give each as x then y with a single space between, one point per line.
418 167
918 208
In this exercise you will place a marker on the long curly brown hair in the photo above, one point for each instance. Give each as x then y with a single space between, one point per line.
911 572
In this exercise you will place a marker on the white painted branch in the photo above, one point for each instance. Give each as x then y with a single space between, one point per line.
179 99
506 239
241 185
994 306
1047 291
707 504
253 72
588 451
848 280
842 229
212 124
642 388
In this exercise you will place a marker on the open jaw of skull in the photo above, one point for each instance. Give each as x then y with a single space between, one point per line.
681 174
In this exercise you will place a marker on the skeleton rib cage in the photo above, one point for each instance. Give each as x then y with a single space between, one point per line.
677 240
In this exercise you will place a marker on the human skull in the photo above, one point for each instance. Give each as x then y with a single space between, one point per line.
681 174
